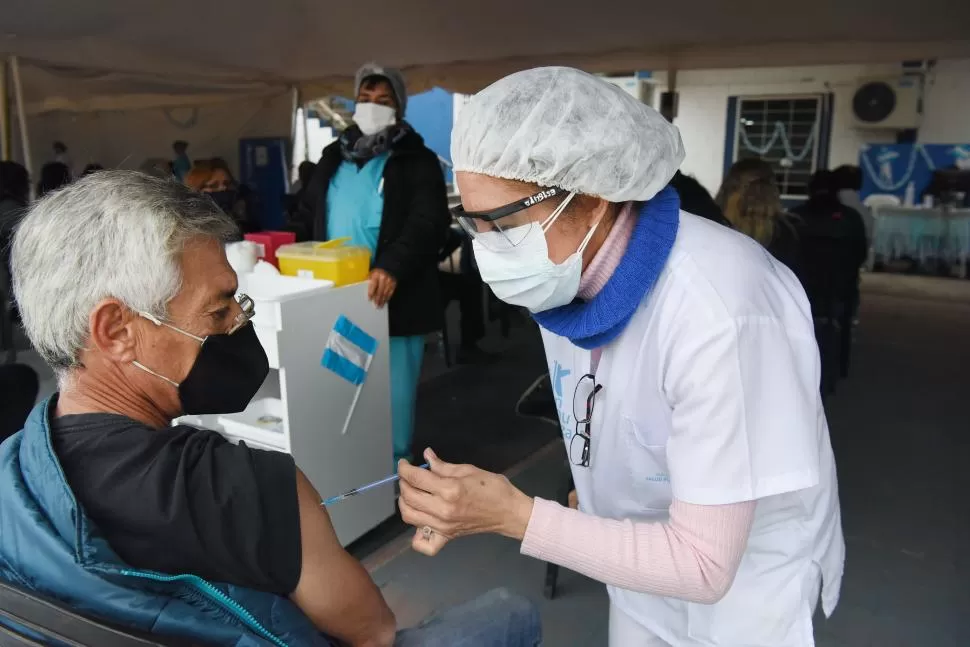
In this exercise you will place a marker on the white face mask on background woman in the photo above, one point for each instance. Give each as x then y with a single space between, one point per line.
524 275
372 118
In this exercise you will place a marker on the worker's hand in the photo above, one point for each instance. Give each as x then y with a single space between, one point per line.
381 288
457 500
573 500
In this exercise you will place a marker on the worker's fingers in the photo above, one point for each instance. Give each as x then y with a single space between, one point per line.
373 286
441 468
429 545
418 518
421 501
423 479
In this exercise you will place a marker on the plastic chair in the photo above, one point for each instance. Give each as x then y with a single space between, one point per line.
877 200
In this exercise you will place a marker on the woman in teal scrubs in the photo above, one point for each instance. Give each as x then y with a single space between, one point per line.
382 188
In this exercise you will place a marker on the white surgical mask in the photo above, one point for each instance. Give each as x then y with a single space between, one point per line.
524 275
372 118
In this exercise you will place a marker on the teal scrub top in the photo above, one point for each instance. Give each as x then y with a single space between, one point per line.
355 202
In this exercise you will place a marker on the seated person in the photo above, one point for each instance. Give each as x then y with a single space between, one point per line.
173 530
19 385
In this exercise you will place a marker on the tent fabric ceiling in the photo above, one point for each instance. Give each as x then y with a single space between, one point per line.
105 54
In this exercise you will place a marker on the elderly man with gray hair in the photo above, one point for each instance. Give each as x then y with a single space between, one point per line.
125 291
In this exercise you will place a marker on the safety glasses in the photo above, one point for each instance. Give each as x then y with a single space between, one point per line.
507 226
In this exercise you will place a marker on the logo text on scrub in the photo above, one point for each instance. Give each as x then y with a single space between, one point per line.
565 417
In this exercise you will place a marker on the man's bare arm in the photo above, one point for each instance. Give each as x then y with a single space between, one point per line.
334 590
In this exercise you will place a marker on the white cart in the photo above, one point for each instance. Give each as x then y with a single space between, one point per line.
301 408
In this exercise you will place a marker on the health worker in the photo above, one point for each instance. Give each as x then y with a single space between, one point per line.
684 365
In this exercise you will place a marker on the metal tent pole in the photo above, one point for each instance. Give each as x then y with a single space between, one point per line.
18 91
5 131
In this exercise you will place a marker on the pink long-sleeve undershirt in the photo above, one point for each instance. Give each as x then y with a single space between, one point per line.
694 555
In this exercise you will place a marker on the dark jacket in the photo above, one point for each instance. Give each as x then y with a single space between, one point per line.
413 228
48 545
832 239
785 246
695 199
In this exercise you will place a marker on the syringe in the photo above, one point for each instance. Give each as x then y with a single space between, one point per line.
364 488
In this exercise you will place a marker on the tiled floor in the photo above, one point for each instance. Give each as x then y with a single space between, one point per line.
901 431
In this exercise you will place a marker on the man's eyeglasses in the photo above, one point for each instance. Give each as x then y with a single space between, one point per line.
248 308
584 400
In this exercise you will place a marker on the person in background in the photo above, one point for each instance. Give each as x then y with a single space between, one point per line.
214 178
847 182
91 168
382 188
825 217
303 174
60 154
14 197
695 199
834 247
181 165
461 282
53 176
751 202
126 498
19 385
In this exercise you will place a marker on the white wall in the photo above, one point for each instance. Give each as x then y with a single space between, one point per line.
704 95
125 139
946 107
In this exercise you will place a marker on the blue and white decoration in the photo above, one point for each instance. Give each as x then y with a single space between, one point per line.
890 168
349 353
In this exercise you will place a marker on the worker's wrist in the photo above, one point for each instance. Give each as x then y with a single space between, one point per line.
519 514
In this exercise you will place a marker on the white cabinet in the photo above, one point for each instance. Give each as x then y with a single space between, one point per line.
301 407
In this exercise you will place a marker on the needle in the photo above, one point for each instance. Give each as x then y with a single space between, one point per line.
364 488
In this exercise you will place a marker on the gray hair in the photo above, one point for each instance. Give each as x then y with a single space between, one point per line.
113 234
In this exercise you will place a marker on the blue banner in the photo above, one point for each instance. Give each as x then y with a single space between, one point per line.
890 168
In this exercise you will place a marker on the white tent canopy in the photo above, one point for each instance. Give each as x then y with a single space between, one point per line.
101 55
118 53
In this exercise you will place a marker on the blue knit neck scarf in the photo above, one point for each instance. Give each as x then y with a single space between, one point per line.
597 322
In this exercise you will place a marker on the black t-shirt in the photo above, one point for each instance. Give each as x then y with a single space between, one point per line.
185 500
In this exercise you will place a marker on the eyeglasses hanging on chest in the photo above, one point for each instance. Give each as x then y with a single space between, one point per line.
584 400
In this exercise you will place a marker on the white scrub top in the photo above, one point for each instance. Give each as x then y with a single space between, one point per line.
711 395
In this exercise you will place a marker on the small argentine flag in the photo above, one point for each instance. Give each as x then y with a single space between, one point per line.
349 353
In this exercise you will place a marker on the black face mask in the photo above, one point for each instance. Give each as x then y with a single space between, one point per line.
226 374
225 200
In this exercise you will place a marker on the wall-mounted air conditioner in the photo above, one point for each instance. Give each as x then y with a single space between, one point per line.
887 103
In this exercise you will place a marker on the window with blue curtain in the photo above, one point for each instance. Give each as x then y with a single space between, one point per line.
790 132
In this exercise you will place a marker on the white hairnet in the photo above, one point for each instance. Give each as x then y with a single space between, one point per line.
557 126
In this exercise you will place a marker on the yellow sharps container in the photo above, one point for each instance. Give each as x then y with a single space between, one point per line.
333 260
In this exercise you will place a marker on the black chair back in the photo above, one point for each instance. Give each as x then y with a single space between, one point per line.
31 619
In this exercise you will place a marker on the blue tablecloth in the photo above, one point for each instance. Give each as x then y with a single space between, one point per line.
921 233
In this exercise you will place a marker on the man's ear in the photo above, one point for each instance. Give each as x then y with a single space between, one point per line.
112 327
